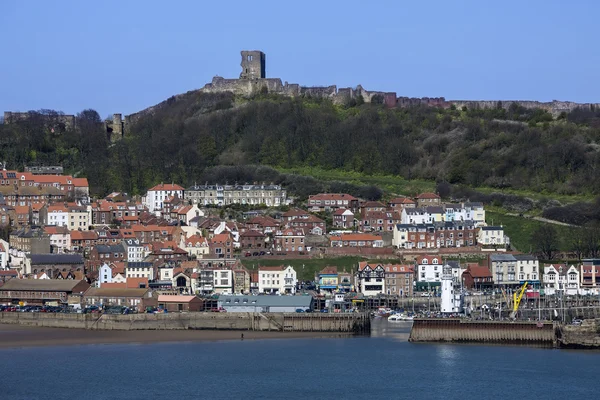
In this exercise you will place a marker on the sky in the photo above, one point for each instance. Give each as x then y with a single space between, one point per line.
124 56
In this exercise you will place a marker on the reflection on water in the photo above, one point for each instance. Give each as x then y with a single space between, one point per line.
397 330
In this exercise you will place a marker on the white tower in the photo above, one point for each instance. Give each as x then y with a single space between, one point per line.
447 299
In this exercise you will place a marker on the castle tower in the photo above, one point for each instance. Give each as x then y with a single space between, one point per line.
253 65
117 125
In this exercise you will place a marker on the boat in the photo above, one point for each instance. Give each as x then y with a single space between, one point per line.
399 317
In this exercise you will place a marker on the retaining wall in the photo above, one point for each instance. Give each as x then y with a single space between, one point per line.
456 330
357 323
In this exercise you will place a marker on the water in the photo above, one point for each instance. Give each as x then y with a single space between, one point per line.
384 366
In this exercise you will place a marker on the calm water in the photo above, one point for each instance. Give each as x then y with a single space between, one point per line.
384 366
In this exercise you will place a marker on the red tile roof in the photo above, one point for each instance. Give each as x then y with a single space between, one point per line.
168 186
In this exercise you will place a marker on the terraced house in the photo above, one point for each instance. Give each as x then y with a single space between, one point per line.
222 195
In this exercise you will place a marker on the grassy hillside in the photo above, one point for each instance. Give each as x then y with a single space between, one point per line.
520 230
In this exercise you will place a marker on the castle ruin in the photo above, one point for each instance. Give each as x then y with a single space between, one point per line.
253 80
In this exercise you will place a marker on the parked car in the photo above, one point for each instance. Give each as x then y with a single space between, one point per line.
248 254
299 310
426 294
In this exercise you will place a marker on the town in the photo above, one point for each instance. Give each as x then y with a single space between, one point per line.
175 249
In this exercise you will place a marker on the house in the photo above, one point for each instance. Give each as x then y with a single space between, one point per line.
101 254
308 223
265 304
492 237
399 280
331 202
174 303
222 195
134 250
42 291
415 216
455 233
561 279
428 199
158 194
429 272
140 270
168 251
504 269
30 240
409 236
221 245
528 269
590 276
477 277
343 218
327 279
356 240
289 240
379 221
185 214
264 224
222 281
399 203
83 241
252 239
126 297
279 279
475 212
370 279
60 238
105 275
196 246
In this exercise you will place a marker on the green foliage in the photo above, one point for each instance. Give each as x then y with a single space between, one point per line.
401 150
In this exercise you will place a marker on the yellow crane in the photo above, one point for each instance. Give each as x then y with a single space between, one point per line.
517 300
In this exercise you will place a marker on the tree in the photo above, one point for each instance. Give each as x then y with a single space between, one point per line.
579 242
545 240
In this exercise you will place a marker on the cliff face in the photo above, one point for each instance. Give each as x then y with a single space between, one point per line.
584 336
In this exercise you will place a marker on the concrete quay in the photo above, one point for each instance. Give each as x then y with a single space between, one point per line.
291 322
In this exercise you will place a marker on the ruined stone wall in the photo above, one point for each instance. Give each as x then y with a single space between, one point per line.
554 107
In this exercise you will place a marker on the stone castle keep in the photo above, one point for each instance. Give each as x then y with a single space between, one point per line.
253 80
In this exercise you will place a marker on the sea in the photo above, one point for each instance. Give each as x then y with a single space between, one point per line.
382 366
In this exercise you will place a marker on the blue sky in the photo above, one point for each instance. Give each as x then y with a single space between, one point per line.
123 56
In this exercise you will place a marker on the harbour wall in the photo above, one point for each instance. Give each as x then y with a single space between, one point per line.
584 336
456 330
292 322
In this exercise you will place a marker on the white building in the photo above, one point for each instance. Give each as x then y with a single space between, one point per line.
135 251
140 270
104 275
528 269
370 279
492 236
279 279
561 279
223 281
4 246
415 216
429 269
158 194
60 238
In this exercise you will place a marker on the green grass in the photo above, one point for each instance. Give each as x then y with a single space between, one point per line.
398 185
520 230
563 198
388 183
